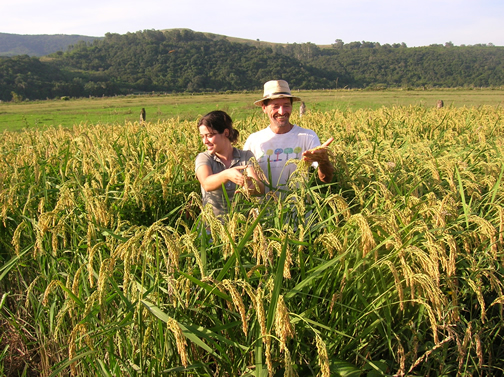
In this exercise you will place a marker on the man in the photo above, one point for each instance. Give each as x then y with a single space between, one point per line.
282 141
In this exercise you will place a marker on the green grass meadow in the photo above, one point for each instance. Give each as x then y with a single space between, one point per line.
111 266
117 110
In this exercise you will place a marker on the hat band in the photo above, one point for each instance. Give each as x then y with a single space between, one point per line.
276 93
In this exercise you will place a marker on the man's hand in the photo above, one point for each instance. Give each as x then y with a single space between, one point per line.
318 154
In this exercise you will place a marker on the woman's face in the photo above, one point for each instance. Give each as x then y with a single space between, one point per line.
214 141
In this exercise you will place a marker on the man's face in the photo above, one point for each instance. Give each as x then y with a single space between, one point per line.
278 111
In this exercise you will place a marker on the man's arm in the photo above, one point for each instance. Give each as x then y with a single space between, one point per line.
325 172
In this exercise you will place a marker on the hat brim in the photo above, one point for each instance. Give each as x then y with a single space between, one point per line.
275 96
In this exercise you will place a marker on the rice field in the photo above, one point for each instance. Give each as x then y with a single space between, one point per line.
395 268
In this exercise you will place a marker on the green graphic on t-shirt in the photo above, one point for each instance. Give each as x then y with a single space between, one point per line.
288 151
278 151
297 150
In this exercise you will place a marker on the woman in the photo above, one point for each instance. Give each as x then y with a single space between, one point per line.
221 163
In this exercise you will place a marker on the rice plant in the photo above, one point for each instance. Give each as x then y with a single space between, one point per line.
395 268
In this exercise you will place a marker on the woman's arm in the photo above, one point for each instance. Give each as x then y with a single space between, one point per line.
211 182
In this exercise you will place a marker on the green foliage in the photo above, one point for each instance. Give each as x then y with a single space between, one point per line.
186 61
16 97
38 45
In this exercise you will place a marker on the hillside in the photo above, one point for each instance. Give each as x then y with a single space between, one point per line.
181 60
218 37
38 45
45 44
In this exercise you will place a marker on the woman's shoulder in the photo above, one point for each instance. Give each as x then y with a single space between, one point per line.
241 153
203 156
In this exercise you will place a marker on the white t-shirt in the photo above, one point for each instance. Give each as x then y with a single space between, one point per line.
277 149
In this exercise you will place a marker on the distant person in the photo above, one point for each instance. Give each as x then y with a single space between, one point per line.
302 109
281 140
142 115
223 164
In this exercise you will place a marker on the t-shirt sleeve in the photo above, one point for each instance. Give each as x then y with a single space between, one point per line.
202 159
246 146
252 146
315 141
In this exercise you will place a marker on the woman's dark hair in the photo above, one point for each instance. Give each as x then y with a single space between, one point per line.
219 121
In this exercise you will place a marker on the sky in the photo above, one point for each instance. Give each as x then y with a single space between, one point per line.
416 23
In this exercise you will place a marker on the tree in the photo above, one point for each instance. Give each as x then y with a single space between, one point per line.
338 44
16 97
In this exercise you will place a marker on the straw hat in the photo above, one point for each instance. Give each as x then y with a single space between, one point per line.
276 89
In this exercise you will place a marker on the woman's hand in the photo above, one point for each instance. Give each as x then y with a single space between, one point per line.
211 182
235 175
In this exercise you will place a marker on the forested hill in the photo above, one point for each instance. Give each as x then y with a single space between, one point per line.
182 60
38 45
